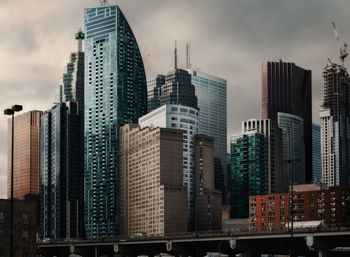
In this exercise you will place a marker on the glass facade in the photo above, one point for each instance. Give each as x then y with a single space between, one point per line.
26 157
293 149
211 93
247 171
115 94
61 173
316 153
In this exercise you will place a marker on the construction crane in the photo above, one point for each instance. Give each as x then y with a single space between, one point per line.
342 45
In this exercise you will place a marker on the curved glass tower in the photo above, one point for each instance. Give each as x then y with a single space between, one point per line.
293 149
115 94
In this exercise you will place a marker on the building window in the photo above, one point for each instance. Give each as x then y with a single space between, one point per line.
25 235
2 252
1 235
25 218
25 252
1 217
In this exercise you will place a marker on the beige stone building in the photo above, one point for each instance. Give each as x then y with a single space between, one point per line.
26 163
208 199
153 199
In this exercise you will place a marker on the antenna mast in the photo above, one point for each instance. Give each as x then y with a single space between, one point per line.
188 63
175 53
104 3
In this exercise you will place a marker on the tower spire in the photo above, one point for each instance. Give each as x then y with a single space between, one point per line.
188 62
79 36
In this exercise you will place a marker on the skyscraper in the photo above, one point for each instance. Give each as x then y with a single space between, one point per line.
173 88
153 198
184 118
26 156
115 94
316 153
61 173
208 200
71 87
272 154
211 92
335 124
247 171
293 149
287 88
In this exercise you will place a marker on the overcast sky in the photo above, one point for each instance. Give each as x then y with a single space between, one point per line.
229 39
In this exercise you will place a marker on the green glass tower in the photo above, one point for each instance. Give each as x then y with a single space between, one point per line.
115 94
247 171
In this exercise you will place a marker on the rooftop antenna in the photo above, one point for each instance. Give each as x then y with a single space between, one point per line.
104 2
175 56
79 36
188 63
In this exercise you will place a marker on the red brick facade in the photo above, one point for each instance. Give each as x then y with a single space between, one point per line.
272 212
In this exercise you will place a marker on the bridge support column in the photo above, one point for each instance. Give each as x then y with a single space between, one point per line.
322 253
251 253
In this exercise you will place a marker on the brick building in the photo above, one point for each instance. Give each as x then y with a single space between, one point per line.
153 198
311 202
25 224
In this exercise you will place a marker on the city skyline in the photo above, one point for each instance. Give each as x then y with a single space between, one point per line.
223 43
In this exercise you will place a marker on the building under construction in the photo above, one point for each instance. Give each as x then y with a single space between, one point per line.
335 129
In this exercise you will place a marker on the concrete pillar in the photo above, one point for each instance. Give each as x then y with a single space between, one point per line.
322 253
251 253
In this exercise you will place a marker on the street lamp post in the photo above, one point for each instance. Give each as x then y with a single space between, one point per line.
15 108
291 250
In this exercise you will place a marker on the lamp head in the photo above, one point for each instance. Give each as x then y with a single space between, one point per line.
17 108
8 112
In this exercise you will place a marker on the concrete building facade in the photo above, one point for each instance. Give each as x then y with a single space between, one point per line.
186 119
153 198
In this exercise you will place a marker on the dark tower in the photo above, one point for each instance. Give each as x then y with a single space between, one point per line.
287 88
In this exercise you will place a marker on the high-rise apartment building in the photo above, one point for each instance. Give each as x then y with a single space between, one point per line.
316 153
115 94
273 175
153 92
208 200
26 156
153 199
71 87
247 171
61 173
335 115
287 88
187 119
293 149
211 92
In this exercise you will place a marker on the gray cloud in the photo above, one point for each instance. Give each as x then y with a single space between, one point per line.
229 38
